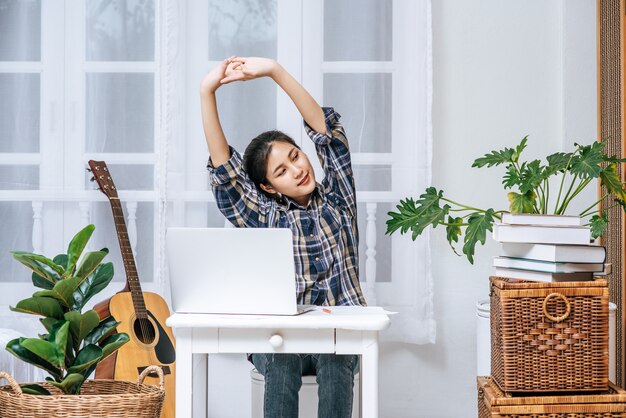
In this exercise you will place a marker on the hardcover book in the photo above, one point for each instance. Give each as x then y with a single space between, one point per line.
541 276
539 219
547 266
555 252
542 234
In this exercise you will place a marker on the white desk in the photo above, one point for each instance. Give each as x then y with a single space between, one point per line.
347 330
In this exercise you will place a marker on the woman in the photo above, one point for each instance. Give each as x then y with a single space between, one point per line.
274 186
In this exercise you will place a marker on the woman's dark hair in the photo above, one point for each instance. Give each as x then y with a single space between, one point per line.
255 155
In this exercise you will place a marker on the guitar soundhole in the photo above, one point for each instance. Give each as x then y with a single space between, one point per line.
144 330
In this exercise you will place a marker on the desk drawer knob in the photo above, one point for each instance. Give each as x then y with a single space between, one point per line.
276 340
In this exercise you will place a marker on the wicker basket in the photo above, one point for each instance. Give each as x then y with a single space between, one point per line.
97 398
549 337
493 403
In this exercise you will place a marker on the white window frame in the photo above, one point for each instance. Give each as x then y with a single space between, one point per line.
62 196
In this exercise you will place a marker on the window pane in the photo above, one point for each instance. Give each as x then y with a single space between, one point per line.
16 236
19 112
120 112
244 28
128 177
357 30
384 246
20 30
372 177
364 101
105 236
19 177
246 110
120 30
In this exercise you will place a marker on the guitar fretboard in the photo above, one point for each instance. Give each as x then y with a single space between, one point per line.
132 279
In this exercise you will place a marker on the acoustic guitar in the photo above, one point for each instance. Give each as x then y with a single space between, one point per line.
141 315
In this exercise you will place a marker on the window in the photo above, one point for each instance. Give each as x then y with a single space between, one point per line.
79 81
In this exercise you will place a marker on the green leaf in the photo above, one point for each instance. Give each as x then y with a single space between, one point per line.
44 267
62 291
93 284
43 306
34 389
532 174
45 350
48 323
588 163
522 203
610 179
520 148
58 336
71 384
598 225
14 347
476 231
614 159
41 282
105 327
418 215
496 158
61 260
558 162
76 247
89 263
81 325
112 343
511 177
453 231
86 357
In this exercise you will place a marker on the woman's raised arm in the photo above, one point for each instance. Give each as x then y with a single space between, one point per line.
215 138
242 69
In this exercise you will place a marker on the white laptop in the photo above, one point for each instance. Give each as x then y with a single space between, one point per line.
232 271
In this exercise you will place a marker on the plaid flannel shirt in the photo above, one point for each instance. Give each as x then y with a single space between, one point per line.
325 234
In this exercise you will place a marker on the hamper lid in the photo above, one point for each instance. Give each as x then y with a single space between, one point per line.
495 397
508 283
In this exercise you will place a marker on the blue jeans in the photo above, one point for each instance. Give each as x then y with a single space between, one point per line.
283 379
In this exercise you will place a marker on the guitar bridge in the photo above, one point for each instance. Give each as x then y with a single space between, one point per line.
166 371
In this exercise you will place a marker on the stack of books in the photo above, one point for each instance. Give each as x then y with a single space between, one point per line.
547 248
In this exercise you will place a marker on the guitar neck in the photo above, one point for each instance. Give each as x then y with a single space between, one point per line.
132 278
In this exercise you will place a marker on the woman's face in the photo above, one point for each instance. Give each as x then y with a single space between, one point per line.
289 172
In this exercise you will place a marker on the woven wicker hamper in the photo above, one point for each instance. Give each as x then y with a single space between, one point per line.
493 403
549 336
97 399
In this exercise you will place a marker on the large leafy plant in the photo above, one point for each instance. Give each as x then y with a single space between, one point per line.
532 181
75 342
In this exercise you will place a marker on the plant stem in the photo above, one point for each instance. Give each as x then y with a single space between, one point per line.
447 224
581 186
463 206
545 209
561 208
556 205
584 212
541 194
597 211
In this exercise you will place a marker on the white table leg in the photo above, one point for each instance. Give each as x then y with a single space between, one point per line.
184 373
369 375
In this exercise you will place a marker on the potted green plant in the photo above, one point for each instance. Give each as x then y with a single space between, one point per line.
75 341
532 181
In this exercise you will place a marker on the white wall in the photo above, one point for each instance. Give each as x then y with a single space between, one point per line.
502 70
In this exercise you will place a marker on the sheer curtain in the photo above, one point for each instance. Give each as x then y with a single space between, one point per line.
118 80
344 61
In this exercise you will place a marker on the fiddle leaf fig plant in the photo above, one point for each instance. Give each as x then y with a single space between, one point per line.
530 185
75 341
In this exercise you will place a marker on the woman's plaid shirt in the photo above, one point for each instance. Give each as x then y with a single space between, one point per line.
325 234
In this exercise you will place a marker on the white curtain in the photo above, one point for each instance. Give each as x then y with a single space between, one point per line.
135 102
